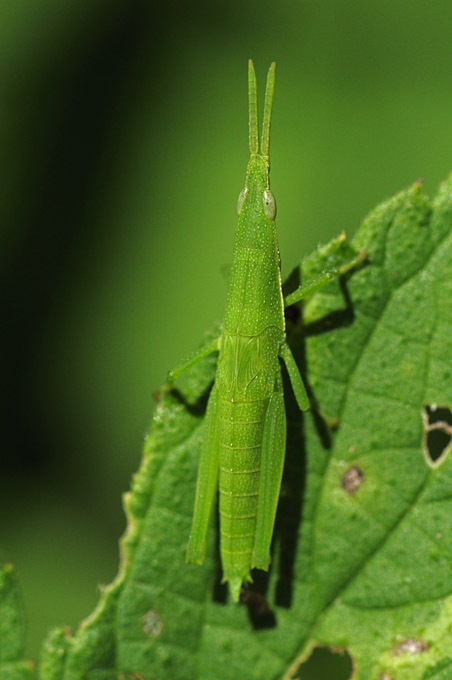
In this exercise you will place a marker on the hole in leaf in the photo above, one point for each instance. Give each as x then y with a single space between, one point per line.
352 479
437 437
324 662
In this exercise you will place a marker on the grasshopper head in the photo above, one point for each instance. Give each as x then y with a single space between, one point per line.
257 182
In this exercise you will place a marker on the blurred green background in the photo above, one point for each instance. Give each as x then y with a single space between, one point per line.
123 138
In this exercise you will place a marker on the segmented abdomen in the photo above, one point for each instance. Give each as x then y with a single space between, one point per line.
240 440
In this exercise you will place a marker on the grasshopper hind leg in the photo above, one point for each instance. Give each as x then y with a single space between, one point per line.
272 463
207 483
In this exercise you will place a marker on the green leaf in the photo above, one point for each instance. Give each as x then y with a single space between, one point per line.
12 630
363 549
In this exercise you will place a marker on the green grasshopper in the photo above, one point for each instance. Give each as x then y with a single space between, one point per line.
244 439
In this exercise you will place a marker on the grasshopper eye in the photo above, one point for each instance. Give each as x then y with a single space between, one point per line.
269 204
241 200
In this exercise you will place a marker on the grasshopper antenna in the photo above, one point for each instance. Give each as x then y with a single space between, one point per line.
269 90
252 107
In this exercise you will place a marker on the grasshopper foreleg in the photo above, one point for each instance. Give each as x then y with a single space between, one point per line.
191 360
295 377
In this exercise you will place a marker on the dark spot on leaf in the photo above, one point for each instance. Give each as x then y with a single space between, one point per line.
437 436
255 601
410 646
260 614
352 479
325 662
152 623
